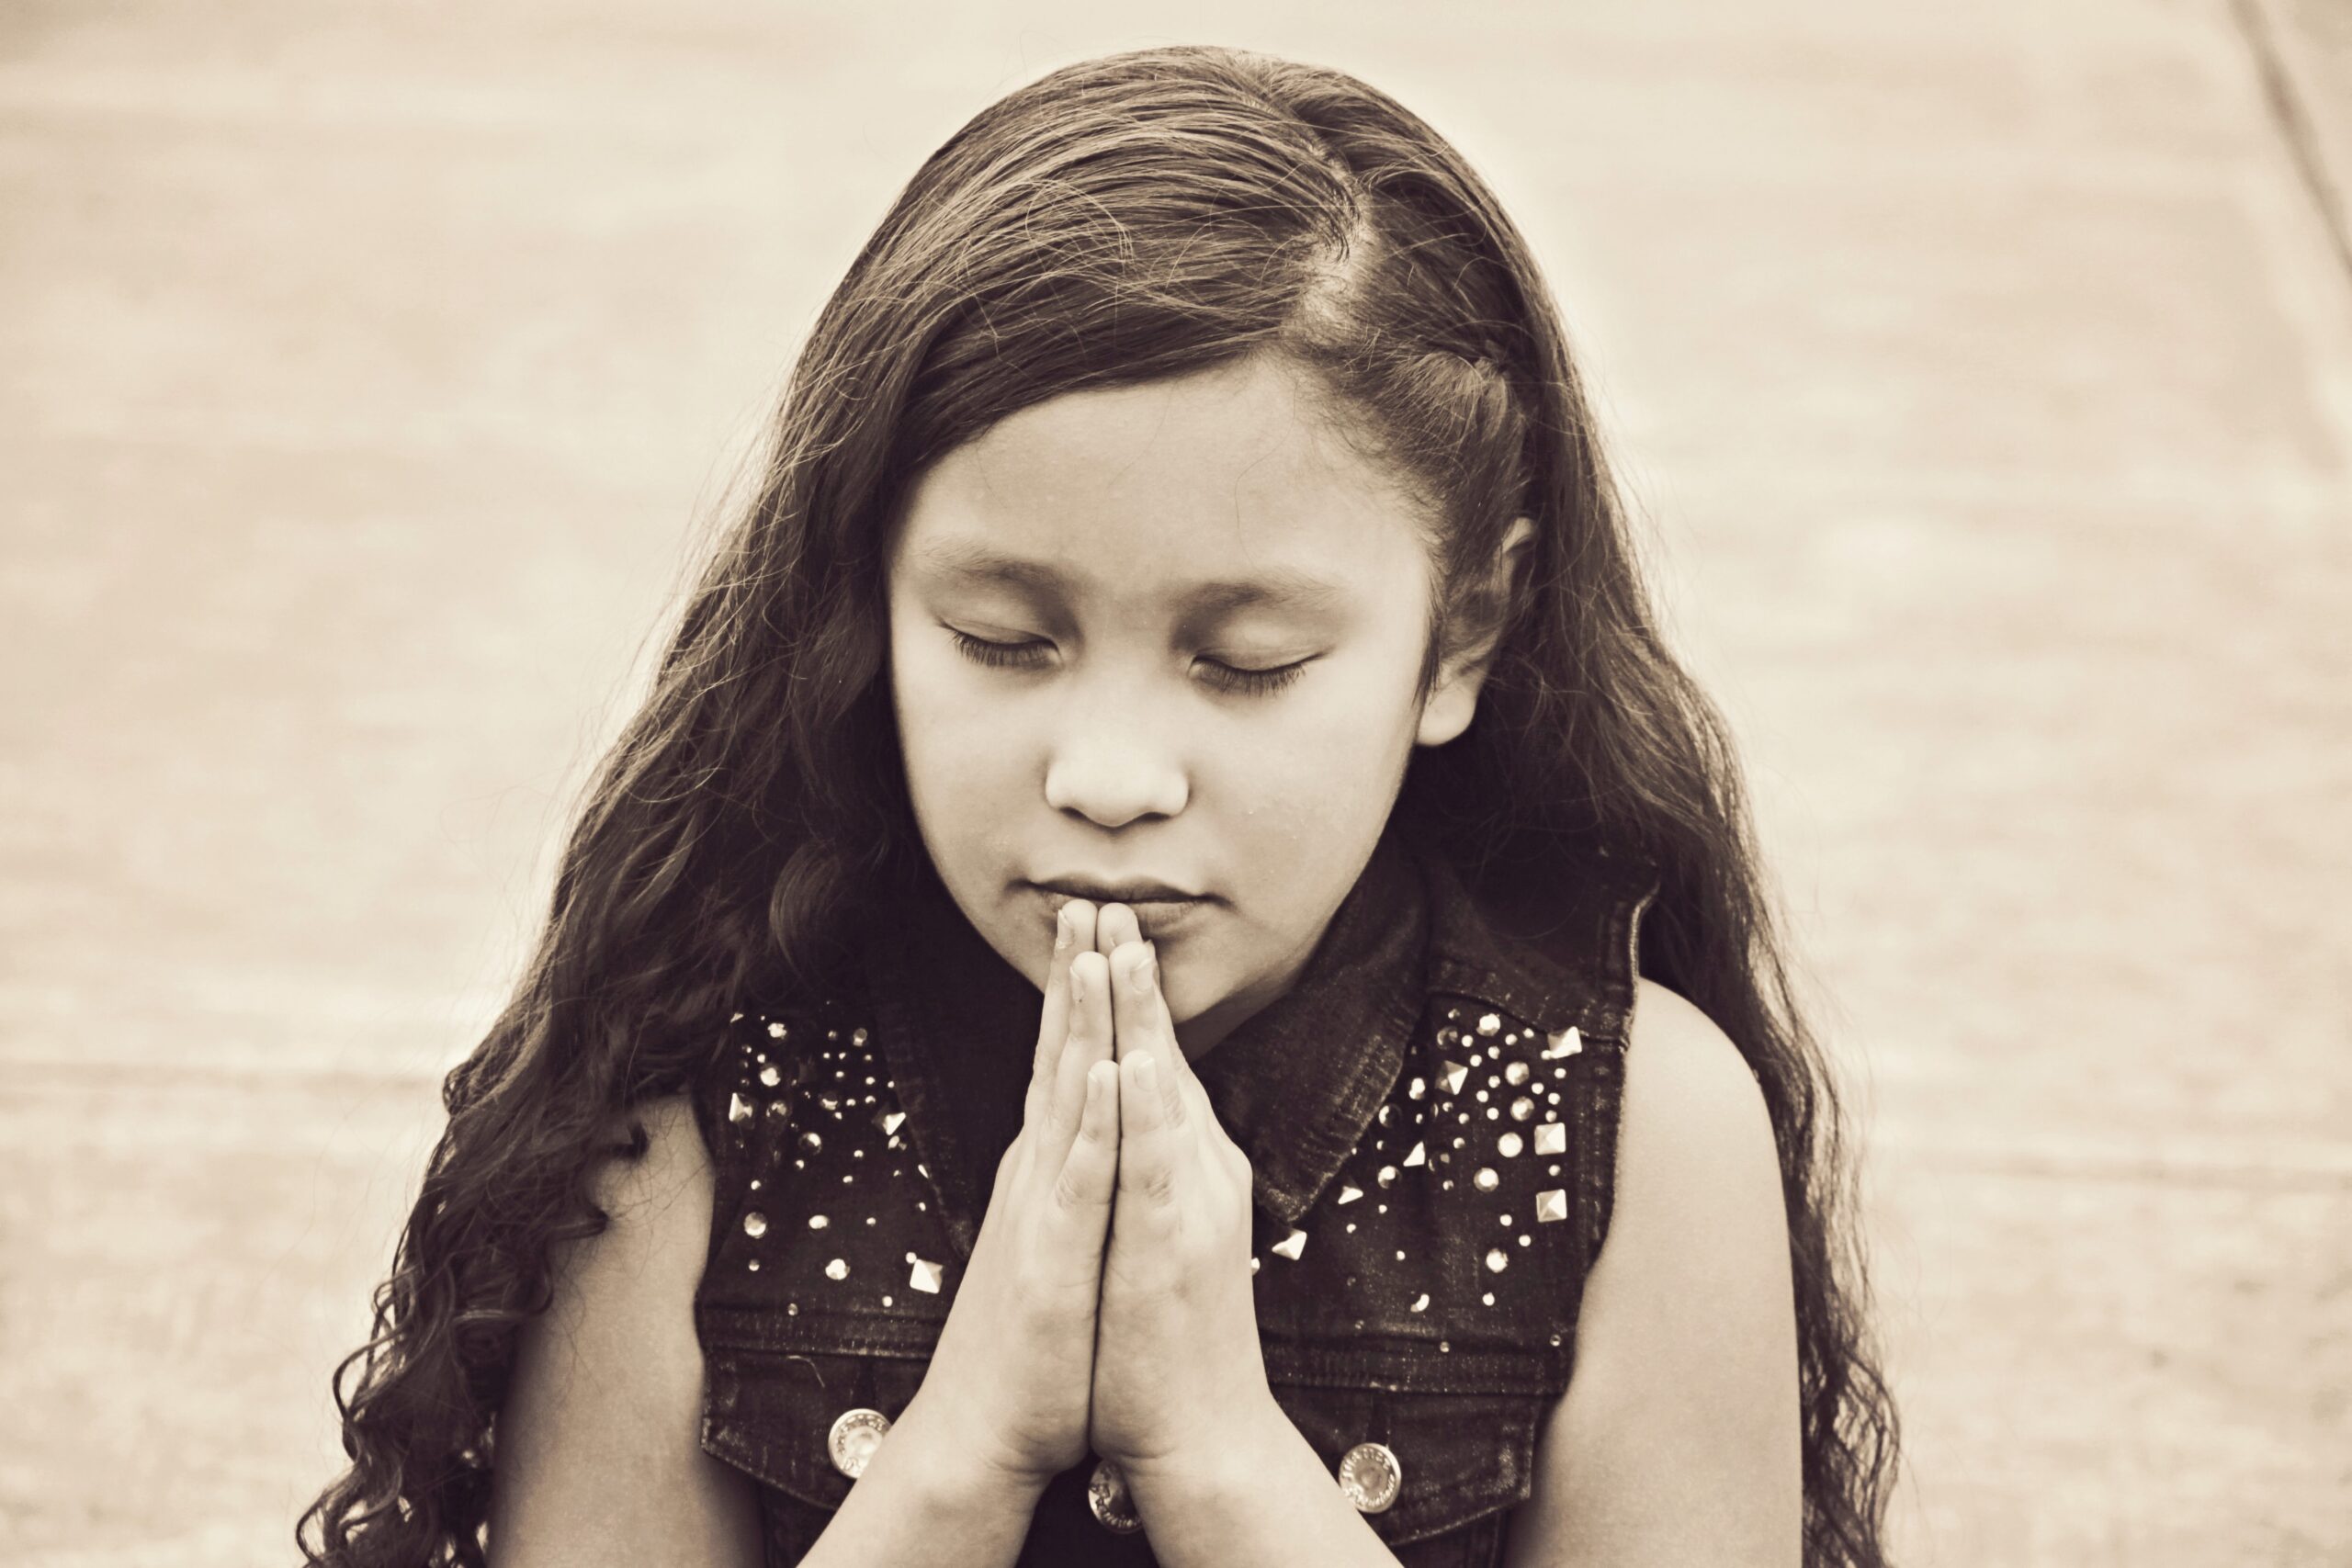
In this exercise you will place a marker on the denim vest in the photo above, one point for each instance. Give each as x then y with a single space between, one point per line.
1431 1115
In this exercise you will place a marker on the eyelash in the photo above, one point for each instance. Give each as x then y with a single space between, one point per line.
1253 683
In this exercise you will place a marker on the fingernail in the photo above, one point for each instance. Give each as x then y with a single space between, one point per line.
1061 928
1151 964
1147 1072
1077 985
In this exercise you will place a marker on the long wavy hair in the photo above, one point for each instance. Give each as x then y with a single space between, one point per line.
1138 216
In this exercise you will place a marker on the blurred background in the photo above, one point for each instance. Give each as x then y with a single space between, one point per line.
370 373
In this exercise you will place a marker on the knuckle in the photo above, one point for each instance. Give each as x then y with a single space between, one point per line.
1159 1184
1070 1193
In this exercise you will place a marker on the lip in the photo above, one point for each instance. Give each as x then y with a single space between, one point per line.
1158 919
1137 892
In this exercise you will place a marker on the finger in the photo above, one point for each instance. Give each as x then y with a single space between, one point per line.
1089 1174
1116 926
1073 935
1149 1146
1142 1022
1089 1042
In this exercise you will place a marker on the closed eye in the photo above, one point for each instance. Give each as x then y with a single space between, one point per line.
1224 677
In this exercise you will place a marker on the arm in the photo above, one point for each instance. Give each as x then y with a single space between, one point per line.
1678 1439
600 1460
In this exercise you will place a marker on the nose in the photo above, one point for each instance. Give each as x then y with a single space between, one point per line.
1116 760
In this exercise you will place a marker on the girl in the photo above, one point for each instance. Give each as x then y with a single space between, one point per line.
1170 973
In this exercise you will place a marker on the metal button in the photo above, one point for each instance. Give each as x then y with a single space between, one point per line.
855 1435
1370 1477
1107 1493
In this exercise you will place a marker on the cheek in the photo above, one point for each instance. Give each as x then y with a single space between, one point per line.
943 717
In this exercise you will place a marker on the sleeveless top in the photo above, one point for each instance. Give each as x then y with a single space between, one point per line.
1431 1115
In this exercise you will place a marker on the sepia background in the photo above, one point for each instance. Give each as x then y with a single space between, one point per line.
1982 374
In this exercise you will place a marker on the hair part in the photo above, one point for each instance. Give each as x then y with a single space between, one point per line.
1124 220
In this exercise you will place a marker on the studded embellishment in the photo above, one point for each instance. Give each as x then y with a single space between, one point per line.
854 1437
925 1276
1452 1076
1107 1493
1349 1192
1552 1205
1291 1246
739 1110
755 1224
1497 1260
1419 1156
1370 1477
1552 1138
837 1269
1489 1023
1566 1042
1508 1145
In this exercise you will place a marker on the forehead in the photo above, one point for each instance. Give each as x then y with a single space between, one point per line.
1219 491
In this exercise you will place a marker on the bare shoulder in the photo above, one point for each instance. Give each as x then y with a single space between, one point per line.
1690 1100
1699 1209
673 1174
599 1443
1677 1439
1699 1171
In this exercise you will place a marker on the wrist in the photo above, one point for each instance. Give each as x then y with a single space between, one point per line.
1218 1467
957 1469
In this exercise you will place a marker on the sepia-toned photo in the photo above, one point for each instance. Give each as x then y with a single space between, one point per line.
1384 787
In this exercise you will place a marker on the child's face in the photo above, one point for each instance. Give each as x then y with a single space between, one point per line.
1105 749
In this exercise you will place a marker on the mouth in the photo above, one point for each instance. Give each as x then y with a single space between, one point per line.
1160 916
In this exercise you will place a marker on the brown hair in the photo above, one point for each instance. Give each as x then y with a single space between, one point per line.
1132 216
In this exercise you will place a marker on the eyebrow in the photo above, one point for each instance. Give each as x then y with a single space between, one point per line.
979 565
